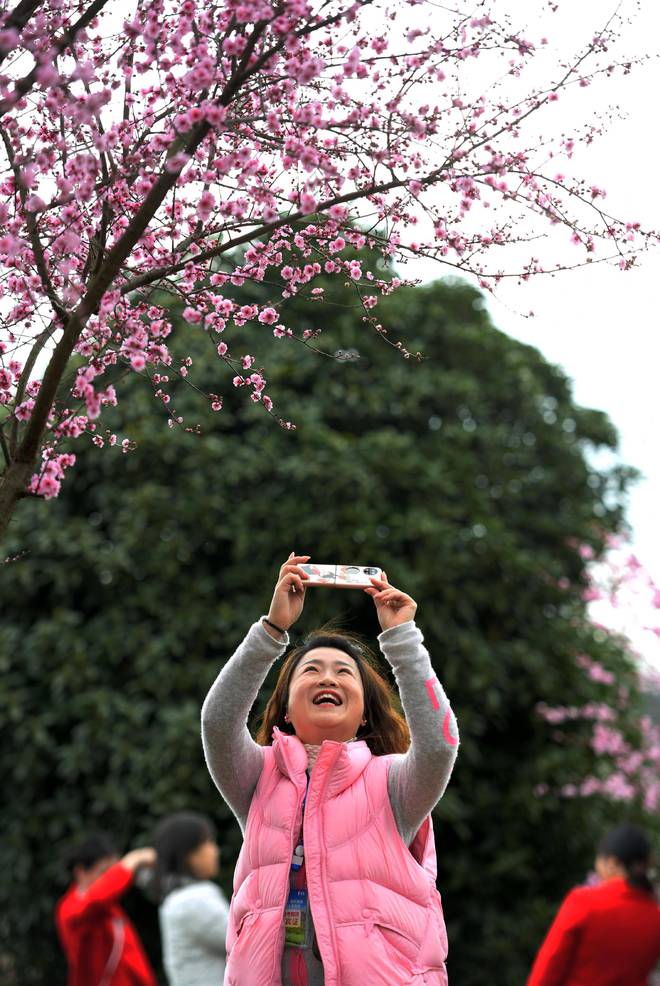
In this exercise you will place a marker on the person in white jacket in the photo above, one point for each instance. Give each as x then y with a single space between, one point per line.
193 911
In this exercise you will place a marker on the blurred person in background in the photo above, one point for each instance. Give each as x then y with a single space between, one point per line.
193 911
101 945
607 934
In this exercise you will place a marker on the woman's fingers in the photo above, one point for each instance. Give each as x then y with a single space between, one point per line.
381 583
293 582
294 570
381 586
296 559
289 595
383 592
293 560
379 596
392 598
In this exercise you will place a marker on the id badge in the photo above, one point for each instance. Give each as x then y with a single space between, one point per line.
296 919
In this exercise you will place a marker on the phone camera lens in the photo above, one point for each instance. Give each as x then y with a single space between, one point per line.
371 571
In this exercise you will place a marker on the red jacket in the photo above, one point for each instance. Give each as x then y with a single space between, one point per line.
607 935
101 945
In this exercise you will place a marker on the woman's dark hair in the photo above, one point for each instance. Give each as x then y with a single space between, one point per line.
386 730
631 847
176 837
89 850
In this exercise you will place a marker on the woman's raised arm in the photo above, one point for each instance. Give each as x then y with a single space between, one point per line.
417 779
233 758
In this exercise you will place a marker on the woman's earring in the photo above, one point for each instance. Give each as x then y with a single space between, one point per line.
364 722
286 717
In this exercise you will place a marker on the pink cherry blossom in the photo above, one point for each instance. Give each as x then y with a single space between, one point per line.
197 147
206 205
268 316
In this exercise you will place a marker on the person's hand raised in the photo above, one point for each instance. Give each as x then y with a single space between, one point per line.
289 595
393 607
146 856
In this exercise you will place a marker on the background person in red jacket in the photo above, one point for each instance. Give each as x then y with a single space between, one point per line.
608 934
100 943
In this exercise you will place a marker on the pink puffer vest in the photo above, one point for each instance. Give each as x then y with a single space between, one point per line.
376 911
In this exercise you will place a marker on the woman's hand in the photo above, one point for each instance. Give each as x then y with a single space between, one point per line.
392 606
136 858
289 595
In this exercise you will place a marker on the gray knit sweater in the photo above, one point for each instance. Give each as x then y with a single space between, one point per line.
193 926
416 780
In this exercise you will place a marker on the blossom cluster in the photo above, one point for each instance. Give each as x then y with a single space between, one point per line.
196 146
48 480
626 753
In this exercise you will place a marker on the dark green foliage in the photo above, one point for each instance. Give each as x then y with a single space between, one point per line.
466 476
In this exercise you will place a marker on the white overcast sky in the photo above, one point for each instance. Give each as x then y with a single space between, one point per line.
598 323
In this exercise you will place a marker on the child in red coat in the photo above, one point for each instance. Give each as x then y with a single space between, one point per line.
100 943
608 934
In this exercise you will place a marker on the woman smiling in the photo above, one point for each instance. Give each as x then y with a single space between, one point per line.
335 883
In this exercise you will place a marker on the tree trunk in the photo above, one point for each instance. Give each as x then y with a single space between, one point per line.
12 488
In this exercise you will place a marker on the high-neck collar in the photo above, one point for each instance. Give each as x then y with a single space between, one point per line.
342 763
313 751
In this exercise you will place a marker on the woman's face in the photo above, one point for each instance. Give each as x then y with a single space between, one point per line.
326 698
204 861
608 867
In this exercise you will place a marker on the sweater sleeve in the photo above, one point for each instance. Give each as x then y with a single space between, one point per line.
233 758
106 890
553 963
417 779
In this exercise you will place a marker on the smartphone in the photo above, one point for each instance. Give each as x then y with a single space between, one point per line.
341 576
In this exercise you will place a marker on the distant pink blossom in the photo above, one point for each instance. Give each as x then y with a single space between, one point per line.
206 205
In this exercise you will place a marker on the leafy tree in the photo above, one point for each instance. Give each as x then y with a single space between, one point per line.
136 150
467 476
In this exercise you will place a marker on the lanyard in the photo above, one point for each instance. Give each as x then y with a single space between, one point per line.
299 852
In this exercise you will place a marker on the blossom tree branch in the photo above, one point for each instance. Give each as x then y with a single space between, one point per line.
195 146
16 21
44 72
